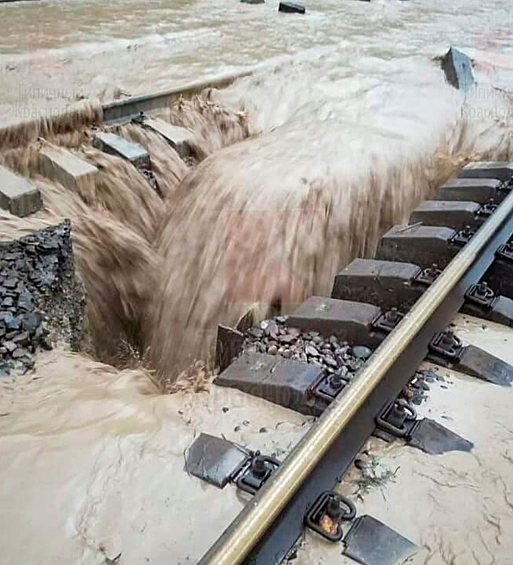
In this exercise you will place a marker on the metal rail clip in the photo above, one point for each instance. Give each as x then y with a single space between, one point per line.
253 473
388 321
487 209
447 345
462 237
505 251
327 386
506 186
428 276
327 513
397 418
482 295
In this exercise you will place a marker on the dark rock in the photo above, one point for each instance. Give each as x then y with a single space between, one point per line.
287 338
38 283
291 8
22 339
458 69
330 361
256 332
12 323
25 301
253 1
46 344
19 352
31 322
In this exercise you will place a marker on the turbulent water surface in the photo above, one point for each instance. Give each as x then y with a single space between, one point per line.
346 124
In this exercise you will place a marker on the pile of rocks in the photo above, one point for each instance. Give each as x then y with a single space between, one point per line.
41 299
275 338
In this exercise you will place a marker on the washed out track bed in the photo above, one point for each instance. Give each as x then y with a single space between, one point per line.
350 360
355 357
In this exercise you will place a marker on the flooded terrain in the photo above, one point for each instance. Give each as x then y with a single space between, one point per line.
345 126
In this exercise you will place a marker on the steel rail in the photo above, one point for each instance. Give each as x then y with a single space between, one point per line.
250 526
129 107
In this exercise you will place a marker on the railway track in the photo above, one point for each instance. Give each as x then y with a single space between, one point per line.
455 255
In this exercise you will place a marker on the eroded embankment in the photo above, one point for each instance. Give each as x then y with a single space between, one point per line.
270 203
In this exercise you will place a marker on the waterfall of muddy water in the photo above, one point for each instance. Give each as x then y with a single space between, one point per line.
294 173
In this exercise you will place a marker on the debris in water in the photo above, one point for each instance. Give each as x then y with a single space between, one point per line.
291 8
373 474
458 69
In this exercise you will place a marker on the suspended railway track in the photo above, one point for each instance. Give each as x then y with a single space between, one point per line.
466 256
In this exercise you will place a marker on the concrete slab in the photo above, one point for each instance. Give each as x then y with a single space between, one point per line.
18 195
178 137
472 190
421 245
274 378
115 145
349 321
458 69
501 170
455 214
63 166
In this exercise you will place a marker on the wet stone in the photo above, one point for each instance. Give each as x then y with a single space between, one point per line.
334 356
38 293
25 301
256 332
361 352
22 339
19 352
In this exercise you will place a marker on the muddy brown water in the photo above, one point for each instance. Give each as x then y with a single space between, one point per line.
299 170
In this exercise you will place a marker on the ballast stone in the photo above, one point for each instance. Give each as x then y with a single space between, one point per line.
17 195
458 69
115 145
66 168
291 8
179 138
252 1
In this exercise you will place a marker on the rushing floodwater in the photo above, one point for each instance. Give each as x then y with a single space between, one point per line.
299 169
53 52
